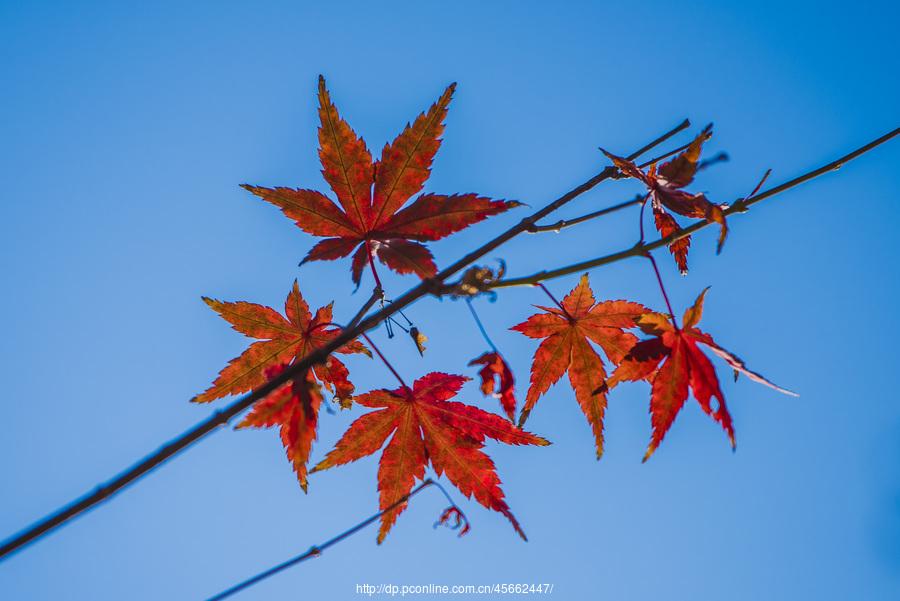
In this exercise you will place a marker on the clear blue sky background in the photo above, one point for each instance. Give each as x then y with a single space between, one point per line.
125 131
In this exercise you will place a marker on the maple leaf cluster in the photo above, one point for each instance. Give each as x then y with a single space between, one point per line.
665 187
369 221
294 408
568 330
419 426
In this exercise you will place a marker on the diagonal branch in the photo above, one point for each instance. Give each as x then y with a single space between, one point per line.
316 550
741 206
221 417
377 294
564 223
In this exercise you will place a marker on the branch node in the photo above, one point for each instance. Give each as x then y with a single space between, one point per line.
476 280
739 206
433 286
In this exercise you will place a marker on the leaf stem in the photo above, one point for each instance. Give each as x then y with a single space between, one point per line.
385 361
555 302
644 200
369 254
649 255
480 325
662 288
398 324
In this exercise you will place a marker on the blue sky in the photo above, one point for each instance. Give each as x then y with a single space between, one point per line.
126 131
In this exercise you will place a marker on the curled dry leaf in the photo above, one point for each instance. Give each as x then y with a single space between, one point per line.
419 339
674 364
497 380
455 519
371 221
477 280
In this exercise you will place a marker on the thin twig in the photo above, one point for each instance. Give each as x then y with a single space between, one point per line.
385 361
555 302
316 550
674 151
759 184
377 294
607 173
722 157
738 207
534 228
564 223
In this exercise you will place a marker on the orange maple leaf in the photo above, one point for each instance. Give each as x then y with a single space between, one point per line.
370 219
283 341
566 347
665 188
684 367
427 427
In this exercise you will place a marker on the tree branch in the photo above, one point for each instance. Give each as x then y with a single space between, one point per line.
223 416
316 550
564 223
740 206
377 294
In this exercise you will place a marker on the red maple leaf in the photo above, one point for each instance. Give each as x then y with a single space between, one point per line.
496 368
294 408
283 341
684 366
427 427
371 219
666 225
566 347
665 187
